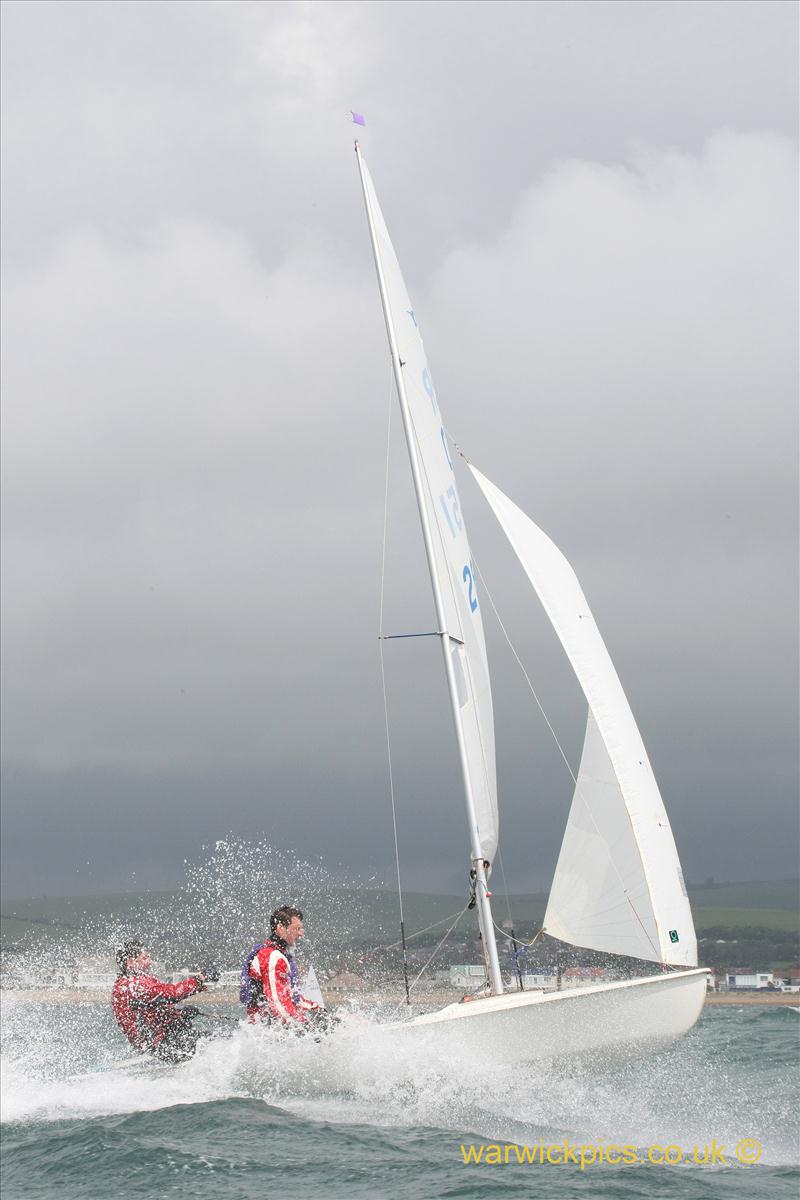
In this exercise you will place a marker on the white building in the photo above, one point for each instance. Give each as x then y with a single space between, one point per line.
472 976
539 980
95 973
750 979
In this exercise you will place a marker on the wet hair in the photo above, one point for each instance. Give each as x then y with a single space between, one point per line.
131 948
283 916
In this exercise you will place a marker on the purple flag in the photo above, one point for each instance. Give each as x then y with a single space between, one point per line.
357 118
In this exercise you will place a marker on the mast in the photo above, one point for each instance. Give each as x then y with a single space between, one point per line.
476 853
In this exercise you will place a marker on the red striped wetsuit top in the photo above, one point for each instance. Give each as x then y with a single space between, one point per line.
274 969
144 1006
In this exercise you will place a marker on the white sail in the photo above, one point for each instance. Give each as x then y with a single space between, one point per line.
453 561
311 989
618 885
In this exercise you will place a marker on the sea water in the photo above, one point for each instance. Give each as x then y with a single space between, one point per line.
259 1113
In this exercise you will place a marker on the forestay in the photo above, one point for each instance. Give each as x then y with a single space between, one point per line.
618 885
453 560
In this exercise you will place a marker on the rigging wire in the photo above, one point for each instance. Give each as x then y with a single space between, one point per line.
514 939
383 686
422 971
419 932
572 775
513 648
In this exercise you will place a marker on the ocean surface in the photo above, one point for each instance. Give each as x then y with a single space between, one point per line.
260 1114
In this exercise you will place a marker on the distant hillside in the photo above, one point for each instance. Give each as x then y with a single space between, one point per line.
778 919
776 894
371 916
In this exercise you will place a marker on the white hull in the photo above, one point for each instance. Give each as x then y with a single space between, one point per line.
608 1023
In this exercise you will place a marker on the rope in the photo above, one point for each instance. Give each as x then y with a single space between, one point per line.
517 940
383 687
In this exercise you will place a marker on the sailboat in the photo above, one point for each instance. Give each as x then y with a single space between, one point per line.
618 886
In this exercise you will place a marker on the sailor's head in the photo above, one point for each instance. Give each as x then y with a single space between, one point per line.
287 923
132 957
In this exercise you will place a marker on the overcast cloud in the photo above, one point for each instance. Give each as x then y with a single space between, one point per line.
596 210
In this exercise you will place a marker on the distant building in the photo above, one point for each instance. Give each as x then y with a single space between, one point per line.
470 976
749 980
574 977
538 980
788 980
96 973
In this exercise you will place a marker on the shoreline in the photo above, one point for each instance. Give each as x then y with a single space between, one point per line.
227 995
792 999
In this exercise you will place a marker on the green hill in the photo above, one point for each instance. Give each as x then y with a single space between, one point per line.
373 915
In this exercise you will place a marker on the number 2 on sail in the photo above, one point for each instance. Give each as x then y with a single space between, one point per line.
467 575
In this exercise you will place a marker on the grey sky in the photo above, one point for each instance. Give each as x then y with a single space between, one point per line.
595 206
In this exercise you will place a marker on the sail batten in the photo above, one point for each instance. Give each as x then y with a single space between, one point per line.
618 854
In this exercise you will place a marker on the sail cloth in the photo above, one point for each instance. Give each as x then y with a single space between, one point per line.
618 885
451 551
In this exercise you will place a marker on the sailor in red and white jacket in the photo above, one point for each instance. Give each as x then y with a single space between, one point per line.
145 1008
271 972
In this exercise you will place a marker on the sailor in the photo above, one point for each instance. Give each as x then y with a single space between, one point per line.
270 989
145 1008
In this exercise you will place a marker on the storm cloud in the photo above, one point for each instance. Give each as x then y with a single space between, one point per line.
596 209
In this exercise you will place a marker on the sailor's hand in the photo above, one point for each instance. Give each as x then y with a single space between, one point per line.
322 1021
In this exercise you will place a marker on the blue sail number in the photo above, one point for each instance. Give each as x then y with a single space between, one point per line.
443 436
427 383
451 510
467 575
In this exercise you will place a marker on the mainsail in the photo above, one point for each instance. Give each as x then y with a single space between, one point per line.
618 885
453 561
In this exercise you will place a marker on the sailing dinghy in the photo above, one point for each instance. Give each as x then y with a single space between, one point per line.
618 885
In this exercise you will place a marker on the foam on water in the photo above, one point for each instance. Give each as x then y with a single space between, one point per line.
733 1076
707 1086
729 1079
